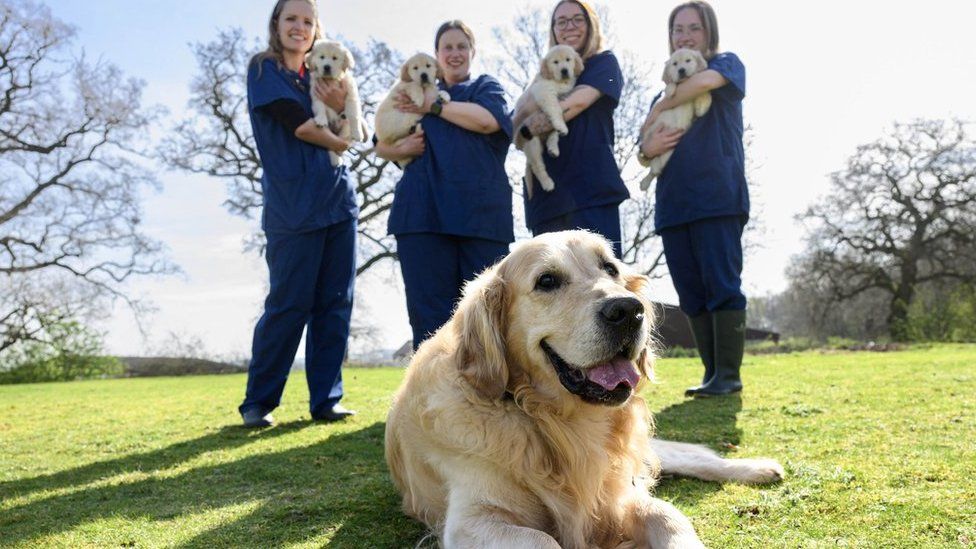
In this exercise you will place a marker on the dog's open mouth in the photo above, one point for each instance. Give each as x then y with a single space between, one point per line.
609 383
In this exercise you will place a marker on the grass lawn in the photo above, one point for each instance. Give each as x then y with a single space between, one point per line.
879 448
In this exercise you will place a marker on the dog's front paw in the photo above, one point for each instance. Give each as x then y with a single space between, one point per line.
444 96
547 184
646 182
561 127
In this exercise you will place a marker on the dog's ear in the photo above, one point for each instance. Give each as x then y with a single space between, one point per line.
700 61
544 70
578 65
479 325
405 73
666 77
350 62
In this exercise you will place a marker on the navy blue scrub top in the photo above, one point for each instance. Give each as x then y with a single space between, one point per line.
302 191
705 176
458 186
585 172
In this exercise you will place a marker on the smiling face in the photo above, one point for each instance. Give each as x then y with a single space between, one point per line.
296 27
570 26
688 31
328 60
454 53
576 324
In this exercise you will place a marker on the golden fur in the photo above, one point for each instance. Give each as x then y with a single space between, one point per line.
332 61
557 77
682 64
417 75
490 449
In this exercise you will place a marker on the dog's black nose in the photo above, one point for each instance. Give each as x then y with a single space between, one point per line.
681 73
620 311
565 72
327 69
423 77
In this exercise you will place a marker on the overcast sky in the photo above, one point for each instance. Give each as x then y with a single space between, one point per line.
822 79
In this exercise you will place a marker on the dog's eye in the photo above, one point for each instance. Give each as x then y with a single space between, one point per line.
334 58
548 282
611 269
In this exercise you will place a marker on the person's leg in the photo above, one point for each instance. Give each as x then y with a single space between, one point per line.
328 328
719 242
292 265
429 264
685 273
475 255
602 220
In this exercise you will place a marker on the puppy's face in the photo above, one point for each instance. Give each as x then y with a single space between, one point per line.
574 323
682 64
420 68
561 63
328 60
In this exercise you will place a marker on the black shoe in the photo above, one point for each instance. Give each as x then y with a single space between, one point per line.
702 327
730 331
336 413
256 417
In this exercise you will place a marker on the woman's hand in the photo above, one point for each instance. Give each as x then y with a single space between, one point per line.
412 145
403 103
340 144
332 93
651 117
538 123
661 141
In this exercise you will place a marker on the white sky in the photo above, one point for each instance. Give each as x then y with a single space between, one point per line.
822 78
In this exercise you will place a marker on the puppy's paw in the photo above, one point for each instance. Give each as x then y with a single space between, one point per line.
560 127
547 184
646 182
444 96
759 471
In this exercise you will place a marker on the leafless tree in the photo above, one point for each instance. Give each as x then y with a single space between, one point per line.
216 140
70 178
902 214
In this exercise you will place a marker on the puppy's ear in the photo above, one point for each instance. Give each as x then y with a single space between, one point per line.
544 70
666 77
479 325
700 61
350 62
439 73
578 64
405 72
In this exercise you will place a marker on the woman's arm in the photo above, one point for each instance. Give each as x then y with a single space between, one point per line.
323 137
691 88
409 147
470 116
578 101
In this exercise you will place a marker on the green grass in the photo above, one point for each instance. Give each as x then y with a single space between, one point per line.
880 451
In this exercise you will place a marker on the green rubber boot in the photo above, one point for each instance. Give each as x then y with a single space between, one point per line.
702 329
730 342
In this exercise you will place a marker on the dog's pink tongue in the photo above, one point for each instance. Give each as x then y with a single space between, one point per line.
610 374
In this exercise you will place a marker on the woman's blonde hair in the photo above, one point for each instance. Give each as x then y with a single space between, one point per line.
709 25
593 43
275 49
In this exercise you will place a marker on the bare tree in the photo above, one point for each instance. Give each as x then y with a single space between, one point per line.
70 178
902 214
217 140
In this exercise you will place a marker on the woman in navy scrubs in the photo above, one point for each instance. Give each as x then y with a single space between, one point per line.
452 209
589 188
702 201
309 218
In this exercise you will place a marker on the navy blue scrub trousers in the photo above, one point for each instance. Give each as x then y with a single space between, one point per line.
705 261
312 276
602 220
435 268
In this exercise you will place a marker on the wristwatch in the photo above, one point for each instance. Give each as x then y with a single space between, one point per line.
436 107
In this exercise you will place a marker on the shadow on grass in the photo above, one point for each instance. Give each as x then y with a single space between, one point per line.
708 421
338 487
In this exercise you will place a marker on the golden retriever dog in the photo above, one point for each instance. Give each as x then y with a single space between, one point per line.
519 422
682 64
329 60
417 75
557 77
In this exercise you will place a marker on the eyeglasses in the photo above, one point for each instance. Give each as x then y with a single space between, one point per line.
679 31
563 22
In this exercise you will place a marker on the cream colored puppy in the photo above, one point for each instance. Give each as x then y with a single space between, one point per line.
682 64
417 75
519 423
557 77
329 60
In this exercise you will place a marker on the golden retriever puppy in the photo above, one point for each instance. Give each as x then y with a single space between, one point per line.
417 75
557 77
329 60
682 64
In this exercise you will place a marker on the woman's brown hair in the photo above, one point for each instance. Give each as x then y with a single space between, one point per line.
709 24
275 49
593 43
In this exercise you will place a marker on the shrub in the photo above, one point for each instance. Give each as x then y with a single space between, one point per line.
71 351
